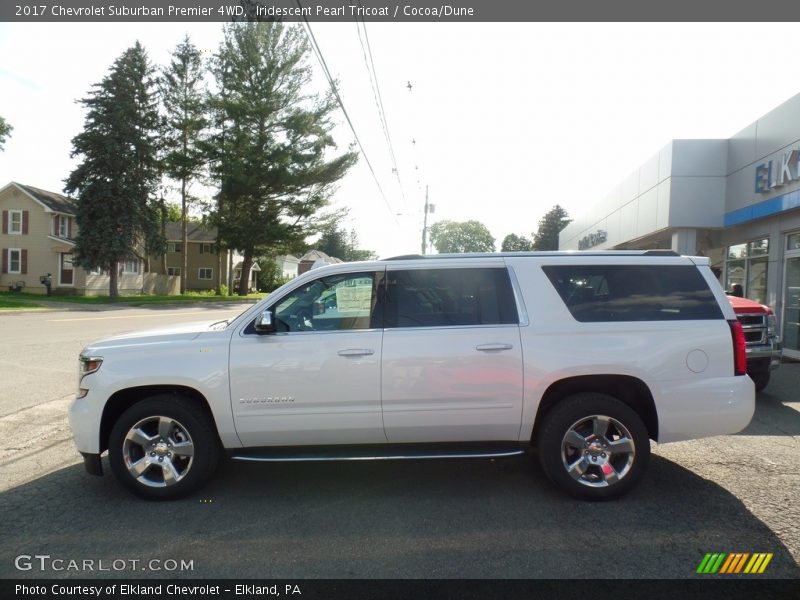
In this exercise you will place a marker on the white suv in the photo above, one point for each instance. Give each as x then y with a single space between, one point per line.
584 357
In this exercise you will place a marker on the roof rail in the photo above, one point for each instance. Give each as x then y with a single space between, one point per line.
661 253
560 253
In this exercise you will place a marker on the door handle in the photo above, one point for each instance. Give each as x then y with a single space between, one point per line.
356 352
493 347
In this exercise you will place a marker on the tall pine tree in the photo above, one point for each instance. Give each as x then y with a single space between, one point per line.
272 142
550 225
116 181
184 104
5 131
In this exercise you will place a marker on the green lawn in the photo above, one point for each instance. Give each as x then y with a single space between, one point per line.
22 299
9 305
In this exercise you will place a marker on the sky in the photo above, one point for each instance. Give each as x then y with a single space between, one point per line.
503 120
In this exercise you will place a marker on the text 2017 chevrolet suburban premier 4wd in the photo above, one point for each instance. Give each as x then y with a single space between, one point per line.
584 357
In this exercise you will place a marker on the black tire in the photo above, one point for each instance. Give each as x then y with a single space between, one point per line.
593 480
188 425
761 379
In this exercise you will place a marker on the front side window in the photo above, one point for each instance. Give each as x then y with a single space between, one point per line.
614 293
336 302
449 298
15 221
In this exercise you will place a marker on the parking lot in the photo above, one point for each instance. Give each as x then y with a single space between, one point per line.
481 518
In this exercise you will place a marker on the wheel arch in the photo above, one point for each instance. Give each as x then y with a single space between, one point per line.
626 388
122 400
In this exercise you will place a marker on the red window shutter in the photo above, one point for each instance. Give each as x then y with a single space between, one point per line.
5 259
5 222
24 267
24 223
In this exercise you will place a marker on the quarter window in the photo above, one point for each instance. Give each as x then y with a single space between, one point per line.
336 302
449 298
603 293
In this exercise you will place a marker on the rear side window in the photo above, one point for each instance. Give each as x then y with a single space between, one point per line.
449 297
601 293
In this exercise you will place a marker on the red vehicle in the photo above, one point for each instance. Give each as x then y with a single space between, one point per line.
763 346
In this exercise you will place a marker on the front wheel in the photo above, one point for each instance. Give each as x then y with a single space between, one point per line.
761 379
593 446
163 448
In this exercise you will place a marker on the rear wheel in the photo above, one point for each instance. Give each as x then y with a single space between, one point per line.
163 448
593 446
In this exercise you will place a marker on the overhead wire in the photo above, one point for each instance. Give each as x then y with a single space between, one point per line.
378 97
318 52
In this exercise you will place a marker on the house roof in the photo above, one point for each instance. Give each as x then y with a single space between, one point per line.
195 231
51 200
314 255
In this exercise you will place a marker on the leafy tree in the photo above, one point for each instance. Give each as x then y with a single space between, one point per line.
337 241
516 243
271 147
550 225
116 181
5 131
184 105
457 237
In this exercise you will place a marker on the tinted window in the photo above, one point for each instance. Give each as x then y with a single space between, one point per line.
331 303
634 293
449 297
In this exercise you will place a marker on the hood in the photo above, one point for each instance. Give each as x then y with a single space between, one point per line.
745 305
182 332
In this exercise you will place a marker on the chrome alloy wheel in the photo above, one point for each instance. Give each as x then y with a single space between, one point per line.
158 451
597 451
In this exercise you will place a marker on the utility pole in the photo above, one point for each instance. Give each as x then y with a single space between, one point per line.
429 209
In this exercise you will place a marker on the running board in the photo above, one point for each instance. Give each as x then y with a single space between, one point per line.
285 454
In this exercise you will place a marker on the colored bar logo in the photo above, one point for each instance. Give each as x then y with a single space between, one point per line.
734 563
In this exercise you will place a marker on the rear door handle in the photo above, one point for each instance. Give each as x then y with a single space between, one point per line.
356 352
491 347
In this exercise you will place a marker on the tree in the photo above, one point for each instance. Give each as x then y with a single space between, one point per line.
516 243
337 241
116 181
184 105
5 131
457 237
550 225
272 142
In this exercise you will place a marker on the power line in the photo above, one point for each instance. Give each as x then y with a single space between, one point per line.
326 71
376 92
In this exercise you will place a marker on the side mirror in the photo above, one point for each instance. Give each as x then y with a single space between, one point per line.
264 322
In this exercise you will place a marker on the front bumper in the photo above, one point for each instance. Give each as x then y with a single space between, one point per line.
764 357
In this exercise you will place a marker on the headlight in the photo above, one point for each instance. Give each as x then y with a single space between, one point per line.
86 366
89 364
771 326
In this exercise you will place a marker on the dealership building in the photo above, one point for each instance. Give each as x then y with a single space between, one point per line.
734 200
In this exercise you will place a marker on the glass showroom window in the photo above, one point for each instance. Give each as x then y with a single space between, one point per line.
747 266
